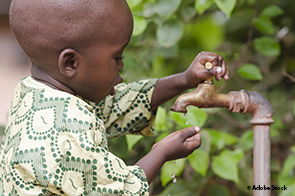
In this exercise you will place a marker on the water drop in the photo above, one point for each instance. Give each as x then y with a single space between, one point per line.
186 123
174 180
173 175
185 114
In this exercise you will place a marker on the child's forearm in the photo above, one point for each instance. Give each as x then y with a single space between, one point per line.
151 163
168 87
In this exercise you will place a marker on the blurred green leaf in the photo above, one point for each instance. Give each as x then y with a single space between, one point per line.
179 118
289 165
149 9
267 46
271 11
195 116
218 190
264 25
140 25
202 5
187 13
294 108
225 165
226 6
181 188
133 3
290 190
199 160
171 168
293 149
132 140
286 177
220 139
246 140
206 142
169 32
250 72
160 121
274 132
165 52
275 129
165 8
207 33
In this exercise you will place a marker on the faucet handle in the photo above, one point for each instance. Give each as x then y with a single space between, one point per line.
208 66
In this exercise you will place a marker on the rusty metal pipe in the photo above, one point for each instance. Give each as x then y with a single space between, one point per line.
242 101
261 159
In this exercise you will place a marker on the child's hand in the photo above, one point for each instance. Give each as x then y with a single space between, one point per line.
197 71
179 144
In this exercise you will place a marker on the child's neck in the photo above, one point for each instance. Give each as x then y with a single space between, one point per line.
44 77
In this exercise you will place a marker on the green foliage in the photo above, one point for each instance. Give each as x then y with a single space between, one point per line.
256 39
194 117
172 169
132 140
199 160
202 5
169 32
165 9
250 72
140 25
267 46
221 139
226 6
271 11
286 177
246 140
225 165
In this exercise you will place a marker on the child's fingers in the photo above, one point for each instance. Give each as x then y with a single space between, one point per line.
195 137
224 74
194 142
189 132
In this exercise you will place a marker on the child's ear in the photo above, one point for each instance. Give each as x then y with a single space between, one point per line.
68 62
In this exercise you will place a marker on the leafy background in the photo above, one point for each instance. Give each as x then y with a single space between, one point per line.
256 39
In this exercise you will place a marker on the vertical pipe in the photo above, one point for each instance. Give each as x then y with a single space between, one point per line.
261 160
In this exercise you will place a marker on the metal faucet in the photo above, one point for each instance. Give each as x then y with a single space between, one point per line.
205 96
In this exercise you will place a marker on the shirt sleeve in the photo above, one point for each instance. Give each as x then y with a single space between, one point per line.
128 111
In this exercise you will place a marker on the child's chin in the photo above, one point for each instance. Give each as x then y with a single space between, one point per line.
113 91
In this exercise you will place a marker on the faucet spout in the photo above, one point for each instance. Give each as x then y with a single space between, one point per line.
205 96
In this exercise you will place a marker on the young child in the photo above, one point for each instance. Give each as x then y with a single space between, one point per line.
55 141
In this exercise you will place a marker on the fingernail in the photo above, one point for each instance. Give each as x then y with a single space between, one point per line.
197 129
219 70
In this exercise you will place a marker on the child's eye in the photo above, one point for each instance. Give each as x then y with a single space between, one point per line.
120 58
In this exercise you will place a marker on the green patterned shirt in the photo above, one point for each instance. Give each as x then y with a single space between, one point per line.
56 143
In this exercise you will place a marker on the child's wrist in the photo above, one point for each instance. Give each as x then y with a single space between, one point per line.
190 83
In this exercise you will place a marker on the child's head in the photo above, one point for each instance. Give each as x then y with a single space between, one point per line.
78 43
